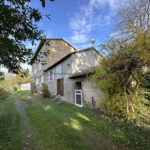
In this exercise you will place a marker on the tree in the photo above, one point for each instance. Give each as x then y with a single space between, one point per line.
3 82
19 79
123 57
17 26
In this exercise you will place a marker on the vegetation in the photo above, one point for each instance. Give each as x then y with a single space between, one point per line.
20 78
46 92
10 125
23 20
124 56
145 81
45 86
65 126
3 94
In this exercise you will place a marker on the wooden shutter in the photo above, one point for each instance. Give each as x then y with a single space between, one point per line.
61 86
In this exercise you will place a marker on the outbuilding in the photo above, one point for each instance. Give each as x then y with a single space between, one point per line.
26 86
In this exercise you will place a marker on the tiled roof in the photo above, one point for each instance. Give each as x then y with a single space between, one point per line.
84 72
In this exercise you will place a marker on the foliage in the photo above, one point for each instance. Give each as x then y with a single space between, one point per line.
45 86
3 82
2 75
46 93
122 60
3 94
145 81
20 78
17 21
33 87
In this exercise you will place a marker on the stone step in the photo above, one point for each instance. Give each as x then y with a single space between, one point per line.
61 102
58 97
55 99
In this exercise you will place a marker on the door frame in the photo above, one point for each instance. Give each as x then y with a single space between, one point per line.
81 98
58 86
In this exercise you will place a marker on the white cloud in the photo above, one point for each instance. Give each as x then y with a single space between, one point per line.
86 19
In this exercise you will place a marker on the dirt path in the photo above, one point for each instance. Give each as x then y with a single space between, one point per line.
27 133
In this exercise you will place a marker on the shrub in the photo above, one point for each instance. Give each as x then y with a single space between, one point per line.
45 86
3 94
145 81
33 87
46 93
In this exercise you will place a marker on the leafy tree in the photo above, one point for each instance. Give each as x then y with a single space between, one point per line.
17 25
123 59
19 79
3 82
10 78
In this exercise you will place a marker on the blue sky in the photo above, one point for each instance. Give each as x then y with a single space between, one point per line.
77 21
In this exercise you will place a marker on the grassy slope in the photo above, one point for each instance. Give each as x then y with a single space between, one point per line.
68 127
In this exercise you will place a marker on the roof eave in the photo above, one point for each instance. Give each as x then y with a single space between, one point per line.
81 75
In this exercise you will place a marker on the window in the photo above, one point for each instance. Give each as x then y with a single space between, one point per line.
58 72
39 66
42 79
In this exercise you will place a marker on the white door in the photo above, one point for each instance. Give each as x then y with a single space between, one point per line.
78 98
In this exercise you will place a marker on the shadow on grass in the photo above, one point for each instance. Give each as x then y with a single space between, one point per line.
123 134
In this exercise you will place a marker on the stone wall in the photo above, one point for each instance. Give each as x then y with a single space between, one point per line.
92 97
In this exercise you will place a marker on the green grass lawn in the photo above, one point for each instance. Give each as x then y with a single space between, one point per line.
37 123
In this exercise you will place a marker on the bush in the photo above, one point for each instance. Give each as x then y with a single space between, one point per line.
45 86
46 93
33 87
145 81
3 94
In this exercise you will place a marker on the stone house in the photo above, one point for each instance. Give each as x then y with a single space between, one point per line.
58 48
67 77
